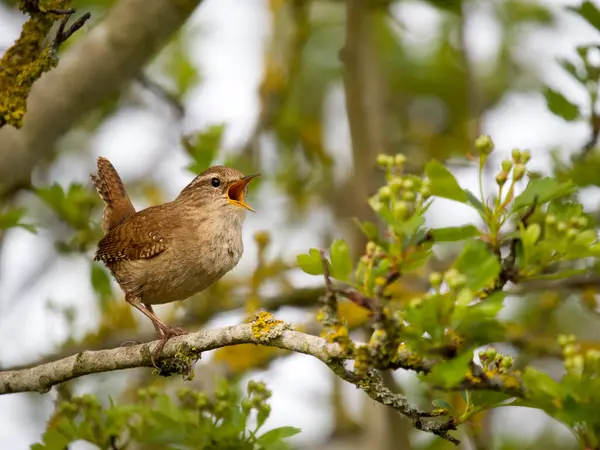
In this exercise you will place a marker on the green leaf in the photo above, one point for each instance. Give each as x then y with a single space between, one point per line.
443 183
277 434
52 440
441 403
560 106
450 373
311 263
11 218
203 147
451 234
589 12
572 70
341 265
369 229
478 264
101 283
475 202
489 399
477 323
540 385
546 189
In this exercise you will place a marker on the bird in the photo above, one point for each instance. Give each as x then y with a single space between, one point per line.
169 252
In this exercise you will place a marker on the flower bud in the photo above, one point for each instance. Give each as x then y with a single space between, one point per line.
385 193
484 144
382 160
550 219
501 178
519 171
400 210
409 196
516 155
399 160
435 279
525 156
396 184
507 165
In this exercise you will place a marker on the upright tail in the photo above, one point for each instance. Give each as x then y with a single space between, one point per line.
117 206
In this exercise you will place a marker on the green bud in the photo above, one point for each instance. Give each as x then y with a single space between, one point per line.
484 144
572 233
507 362
382 160
408 184
501 178
498 358
570 350
400 210
563 340
396 184
525 156
409 196
578 363
425 192
550 219
562 227
593 355
399 159
457 281
507 165
385 193
371 246
519 171
516 155
482 355
491 353
435 279
582 222
246 405
451 273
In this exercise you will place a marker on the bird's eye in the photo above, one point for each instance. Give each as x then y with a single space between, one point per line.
215 182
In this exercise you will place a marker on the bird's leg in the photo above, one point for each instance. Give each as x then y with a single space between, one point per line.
159 332
164 332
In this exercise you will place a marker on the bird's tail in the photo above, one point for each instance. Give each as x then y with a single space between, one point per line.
117 206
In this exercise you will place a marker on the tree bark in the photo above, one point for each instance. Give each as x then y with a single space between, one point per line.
98 66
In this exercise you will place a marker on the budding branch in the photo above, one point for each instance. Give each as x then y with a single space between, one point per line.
264 330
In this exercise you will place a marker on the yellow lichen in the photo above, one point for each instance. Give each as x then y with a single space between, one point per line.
265 327
26 60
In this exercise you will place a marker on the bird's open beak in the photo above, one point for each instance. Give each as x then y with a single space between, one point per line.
235 191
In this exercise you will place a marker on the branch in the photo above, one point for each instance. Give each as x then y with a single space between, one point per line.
274 334
97 67
27 59
264 330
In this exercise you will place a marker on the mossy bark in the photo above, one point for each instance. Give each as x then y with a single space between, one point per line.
27 59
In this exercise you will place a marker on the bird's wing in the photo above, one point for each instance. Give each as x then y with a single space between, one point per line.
117 206
142 236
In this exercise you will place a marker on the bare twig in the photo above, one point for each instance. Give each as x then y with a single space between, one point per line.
162 93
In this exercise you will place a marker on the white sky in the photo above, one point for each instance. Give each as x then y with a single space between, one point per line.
229 51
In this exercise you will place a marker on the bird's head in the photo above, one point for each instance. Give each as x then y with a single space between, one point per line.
219 187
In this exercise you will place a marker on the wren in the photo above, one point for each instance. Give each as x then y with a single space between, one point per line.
172 251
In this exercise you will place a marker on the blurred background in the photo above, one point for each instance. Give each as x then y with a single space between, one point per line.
308 93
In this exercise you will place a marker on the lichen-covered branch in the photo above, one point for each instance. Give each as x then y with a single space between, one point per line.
28 59
263 330
95 68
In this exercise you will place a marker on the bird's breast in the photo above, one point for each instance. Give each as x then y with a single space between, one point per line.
187 267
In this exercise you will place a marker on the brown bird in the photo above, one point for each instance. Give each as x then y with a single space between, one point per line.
172 251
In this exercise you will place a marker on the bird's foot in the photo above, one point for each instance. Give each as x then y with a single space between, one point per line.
164 335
